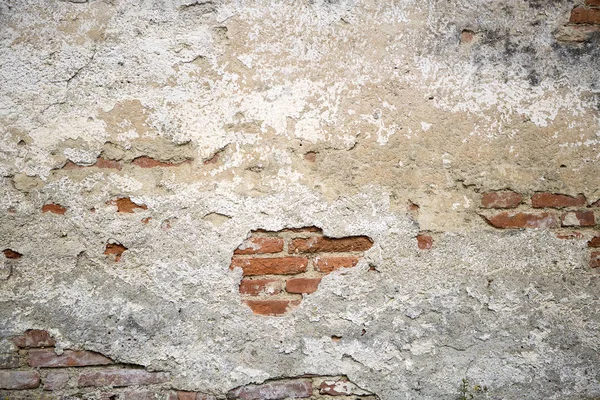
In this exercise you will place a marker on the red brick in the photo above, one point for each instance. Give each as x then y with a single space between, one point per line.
583 15
194 396
505 199
260 246
306 229
570 236
271 307
34 338
592 3
339 387
302 285
13 255
18 380
9 361
115 250
594 242
507 220
260 286
149 162
56 381
596 203
424 242
324 244
328 264
299 389
552 200
595 259
53 208
268 266
106 163
578 218
146 395
126 205
121 378
47 358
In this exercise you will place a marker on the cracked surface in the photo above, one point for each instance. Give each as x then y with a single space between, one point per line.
164 132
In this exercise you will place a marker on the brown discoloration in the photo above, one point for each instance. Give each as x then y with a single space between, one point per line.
324 244
126 205
53 208
115 250
11 254
508 220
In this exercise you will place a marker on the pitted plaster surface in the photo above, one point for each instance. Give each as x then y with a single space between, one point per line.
395 109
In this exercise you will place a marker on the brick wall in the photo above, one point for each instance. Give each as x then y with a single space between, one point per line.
280 267
569 217
584 22
36 370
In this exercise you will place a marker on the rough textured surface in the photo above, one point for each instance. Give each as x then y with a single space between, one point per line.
140 142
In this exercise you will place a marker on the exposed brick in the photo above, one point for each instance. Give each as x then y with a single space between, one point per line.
306 229
260 246
108 164
508 220
268 266
302 285
340 387
584 15
9 361
592 3
505 199
194 396
146 395
300 388
34 338
578 218
146 220
17 380
577 33
328 264
149 162
56 381
595 259
115 250
271 307
260 286
121 378
324 244
47 358
596 203
570 236
424 242
126 205
553 200
594 242
13 255
53 208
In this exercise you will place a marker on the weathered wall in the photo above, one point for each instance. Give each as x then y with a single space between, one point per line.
442 157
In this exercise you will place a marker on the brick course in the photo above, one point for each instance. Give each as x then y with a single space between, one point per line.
280 267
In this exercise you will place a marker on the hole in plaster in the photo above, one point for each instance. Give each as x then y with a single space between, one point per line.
279 268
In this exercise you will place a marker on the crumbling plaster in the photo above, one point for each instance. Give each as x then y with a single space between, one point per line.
394 110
